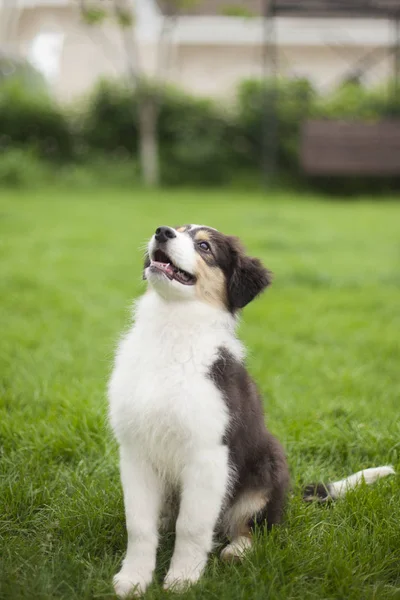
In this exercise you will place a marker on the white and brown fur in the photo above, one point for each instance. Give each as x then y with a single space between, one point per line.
194 448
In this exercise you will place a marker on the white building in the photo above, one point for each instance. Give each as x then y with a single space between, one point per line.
211 52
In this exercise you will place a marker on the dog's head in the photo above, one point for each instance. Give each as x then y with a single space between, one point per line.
198 262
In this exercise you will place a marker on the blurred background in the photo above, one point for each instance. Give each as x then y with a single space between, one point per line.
202 91
277 121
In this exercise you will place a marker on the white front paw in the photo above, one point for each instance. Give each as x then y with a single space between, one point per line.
178 580
130 584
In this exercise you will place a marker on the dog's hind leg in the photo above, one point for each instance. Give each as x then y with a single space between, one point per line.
235 551
237 522
261 508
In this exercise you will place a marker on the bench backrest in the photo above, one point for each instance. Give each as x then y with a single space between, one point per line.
350 148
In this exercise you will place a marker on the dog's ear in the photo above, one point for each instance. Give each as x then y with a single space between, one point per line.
248 279
146 264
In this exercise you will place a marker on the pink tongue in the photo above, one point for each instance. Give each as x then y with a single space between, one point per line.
165 267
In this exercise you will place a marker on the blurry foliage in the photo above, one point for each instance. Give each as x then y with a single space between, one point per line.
32 119
93 15
124 18
195 135
174 7
20 168
201 141
14 69
353 101
236 11
110 119
287 101
195 139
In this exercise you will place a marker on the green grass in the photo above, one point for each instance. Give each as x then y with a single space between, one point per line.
323 345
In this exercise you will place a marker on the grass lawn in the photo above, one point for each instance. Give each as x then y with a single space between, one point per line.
324 346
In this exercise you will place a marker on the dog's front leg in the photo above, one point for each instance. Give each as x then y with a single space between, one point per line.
204 486
142 497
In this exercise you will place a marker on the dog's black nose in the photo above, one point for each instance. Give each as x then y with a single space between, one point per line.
163 234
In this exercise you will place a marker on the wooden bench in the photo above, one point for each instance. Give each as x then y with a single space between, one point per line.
350 148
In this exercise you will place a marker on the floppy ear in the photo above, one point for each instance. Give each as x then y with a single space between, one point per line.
249 278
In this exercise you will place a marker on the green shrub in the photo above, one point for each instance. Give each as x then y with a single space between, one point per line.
349 101
13 69
109 121
98 171
30 119
20 168
353 101
195 136
196 139
200 141
276 106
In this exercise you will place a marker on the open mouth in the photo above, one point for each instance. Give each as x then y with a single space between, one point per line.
162 263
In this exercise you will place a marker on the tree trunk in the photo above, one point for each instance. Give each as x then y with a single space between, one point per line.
148 141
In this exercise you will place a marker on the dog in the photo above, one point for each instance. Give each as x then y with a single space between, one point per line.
194 448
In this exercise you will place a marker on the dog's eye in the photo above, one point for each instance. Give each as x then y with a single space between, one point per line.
204 246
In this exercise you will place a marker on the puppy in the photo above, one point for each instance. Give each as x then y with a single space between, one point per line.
194 448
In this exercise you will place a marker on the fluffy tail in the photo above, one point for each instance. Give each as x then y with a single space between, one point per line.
331 491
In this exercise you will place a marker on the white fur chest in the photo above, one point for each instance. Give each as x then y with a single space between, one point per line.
162 400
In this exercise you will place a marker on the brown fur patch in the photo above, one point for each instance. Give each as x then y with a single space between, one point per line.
211 284
257 458
202 236
238 517
236 550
